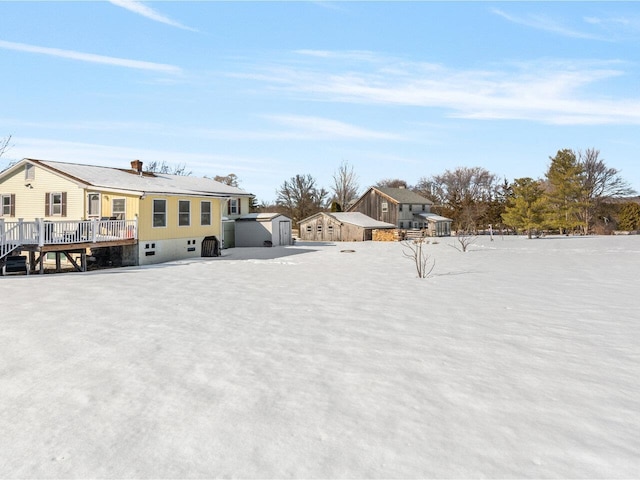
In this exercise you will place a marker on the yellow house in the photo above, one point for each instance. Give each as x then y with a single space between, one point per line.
48 206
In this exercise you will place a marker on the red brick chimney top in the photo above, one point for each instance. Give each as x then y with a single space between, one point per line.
137 166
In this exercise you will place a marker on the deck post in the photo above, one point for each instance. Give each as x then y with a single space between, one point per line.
94 230
40 227
21 231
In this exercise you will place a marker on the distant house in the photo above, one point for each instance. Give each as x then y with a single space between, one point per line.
340 227
403 208
263 229
148 217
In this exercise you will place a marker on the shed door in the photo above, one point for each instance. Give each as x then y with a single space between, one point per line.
284 228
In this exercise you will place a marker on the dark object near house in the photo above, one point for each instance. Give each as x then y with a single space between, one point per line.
16 264
211 246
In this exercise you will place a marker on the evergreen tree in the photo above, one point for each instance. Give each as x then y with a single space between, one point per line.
629 218
565 191
526 206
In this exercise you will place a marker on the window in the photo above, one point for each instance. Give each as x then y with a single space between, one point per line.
118 208
401 225
56 204
400 207
319 228
234 206
8 205
205 213
410 207
308 228
423 207
184 213
159 213
385 207
29 172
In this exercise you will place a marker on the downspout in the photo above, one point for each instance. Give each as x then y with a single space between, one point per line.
225 203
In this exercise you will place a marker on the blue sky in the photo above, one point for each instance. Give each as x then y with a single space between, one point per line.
268 90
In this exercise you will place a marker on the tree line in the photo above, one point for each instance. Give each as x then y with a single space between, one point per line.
579 193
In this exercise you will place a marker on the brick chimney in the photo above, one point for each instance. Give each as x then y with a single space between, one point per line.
137 166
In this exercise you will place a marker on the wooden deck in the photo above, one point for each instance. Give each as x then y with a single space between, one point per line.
72 238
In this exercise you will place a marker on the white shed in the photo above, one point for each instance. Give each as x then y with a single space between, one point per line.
263 230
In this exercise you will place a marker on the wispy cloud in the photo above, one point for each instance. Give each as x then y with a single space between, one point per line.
553 92
548 24
91 58
148 12
320 128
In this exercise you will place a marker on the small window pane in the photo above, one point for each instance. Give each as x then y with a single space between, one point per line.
118 209
159 213
184 213
205 213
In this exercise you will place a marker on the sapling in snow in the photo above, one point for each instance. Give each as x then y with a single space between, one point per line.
414 250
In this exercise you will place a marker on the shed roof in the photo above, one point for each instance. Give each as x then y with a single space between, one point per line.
130 180
360 220
433 217
260 217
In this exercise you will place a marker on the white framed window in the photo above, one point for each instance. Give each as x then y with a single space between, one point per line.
385 207
119 208
184 213
55 204
205 213
234 206
8 205
159 213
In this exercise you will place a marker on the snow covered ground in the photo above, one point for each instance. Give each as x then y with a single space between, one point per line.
519 358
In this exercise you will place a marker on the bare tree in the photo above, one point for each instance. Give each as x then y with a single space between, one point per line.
413 250
465 239
5 147
392 183
345 186
464 194
164 167
299 197
599 184
231 179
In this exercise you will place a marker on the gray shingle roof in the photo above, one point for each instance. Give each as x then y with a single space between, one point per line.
404 195
123 179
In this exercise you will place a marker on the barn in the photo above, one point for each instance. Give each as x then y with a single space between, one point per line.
340 227
263 230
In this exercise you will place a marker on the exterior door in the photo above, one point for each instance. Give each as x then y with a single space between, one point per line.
93 205
284 228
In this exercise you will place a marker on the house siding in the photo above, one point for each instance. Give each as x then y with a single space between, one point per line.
146 230
30 200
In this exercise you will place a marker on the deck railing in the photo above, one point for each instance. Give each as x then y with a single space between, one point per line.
43 232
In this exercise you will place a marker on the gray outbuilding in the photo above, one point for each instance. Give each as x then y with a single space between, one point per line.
263 230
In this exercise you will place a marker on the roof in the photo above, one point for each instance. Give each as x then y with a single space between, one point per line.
359 219
433 217
404 195
130 180
260 217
